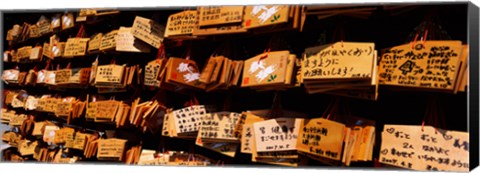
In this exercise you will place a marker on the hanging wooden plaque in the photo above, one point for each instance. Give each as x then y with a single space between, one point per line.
182 23
31 103
94 42
322 137
36 53
68 21
265 69
111 149
10 75
18 119
56 23
56 50
49 133
110 74
79 141
43 26
225 148
75 47
34 31
221 29
50 77
24 52
424 148
91 111
188 119
278 134
126 42
62 76
108 41
152 72
431 65
26 147
219 126
216 15
264 15
148 31
64 109
106 110
37 128
184 72
80 76
69 137
341 60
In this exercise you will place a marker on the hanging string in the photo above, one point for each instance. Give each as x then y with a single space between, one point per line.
425 35
81 31
220 163
47 64
414 41
266 52
219 49
272 44
277 42
192 153
35 68
424 117
431 115
329 106
195 100
430 28
334 109
161 52
189 51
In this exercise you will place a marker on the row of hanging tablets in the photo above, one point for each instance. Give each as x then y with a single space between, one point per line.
274 136
89 108
56 23
191 23
287 138
51 143
184 24
343 68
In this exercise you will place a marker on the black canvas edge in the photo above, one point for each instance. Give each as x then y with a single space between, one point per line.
473 97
